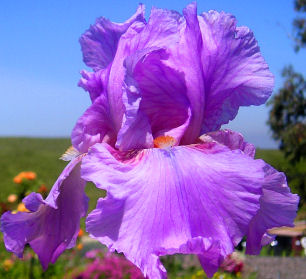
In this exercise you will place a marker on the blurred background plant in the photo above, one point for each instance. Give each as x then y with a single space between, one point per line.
299 24
25 183
287 117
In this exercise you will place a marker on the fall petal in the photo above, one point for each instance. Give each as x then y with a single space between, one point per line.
162 201
231 139
278 207
54 223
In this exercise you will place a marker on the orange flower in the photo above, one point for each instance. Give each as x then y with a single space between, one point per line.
21 208
42 189
17 179
81 233
80 246
24 175
30 175
12 198
7 264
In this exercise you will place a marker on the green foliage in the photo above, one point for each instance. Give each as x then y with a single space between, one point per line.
299 24
288 114
30 268
288 125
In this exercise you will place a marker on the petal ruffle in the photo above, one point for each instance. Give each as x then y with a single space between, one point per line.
165 201
186 58
156 94
231 139
94 126
223 69
103 120
278 207
53 224
160 32
99 43
235 73
94 83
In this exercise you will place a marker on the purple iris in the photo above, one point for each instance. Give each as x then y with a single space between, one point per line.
175 183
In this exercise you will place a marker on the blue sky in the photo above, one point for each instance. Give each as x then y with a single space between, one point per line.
40 59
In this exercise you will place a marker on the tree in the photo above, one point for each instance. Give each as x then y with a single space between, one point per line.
299 24
288 115
288 124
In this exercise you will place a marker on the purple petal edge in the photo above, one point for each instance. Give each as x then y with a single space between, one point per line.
53 224
100 42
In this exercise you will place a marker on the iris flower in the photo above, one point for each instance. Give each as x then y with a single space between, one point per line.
151 138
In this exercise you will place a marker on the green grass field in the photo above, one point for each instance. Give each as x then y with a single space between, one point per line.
41 155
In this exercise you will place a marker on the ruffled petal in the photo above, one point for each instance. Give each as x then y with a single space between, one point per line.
99 43
278 207
95 125
235 73
135 132
223 69
155 94
95 83
164 201
53 224
186 57
160 32
231 139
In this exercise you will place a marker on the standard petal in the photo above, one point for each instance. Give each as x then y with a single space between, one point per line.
278 207
95 83
161 31
185 57
235 73
95 125
99 43
156 94
164 201
52 225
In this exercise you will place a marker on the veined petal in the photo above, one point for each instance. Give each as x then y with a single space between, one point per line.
54 223
235 73
95 83
231 139
156 94
185 57
135 132
99 43
164 201
278 207
95 125
160 32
